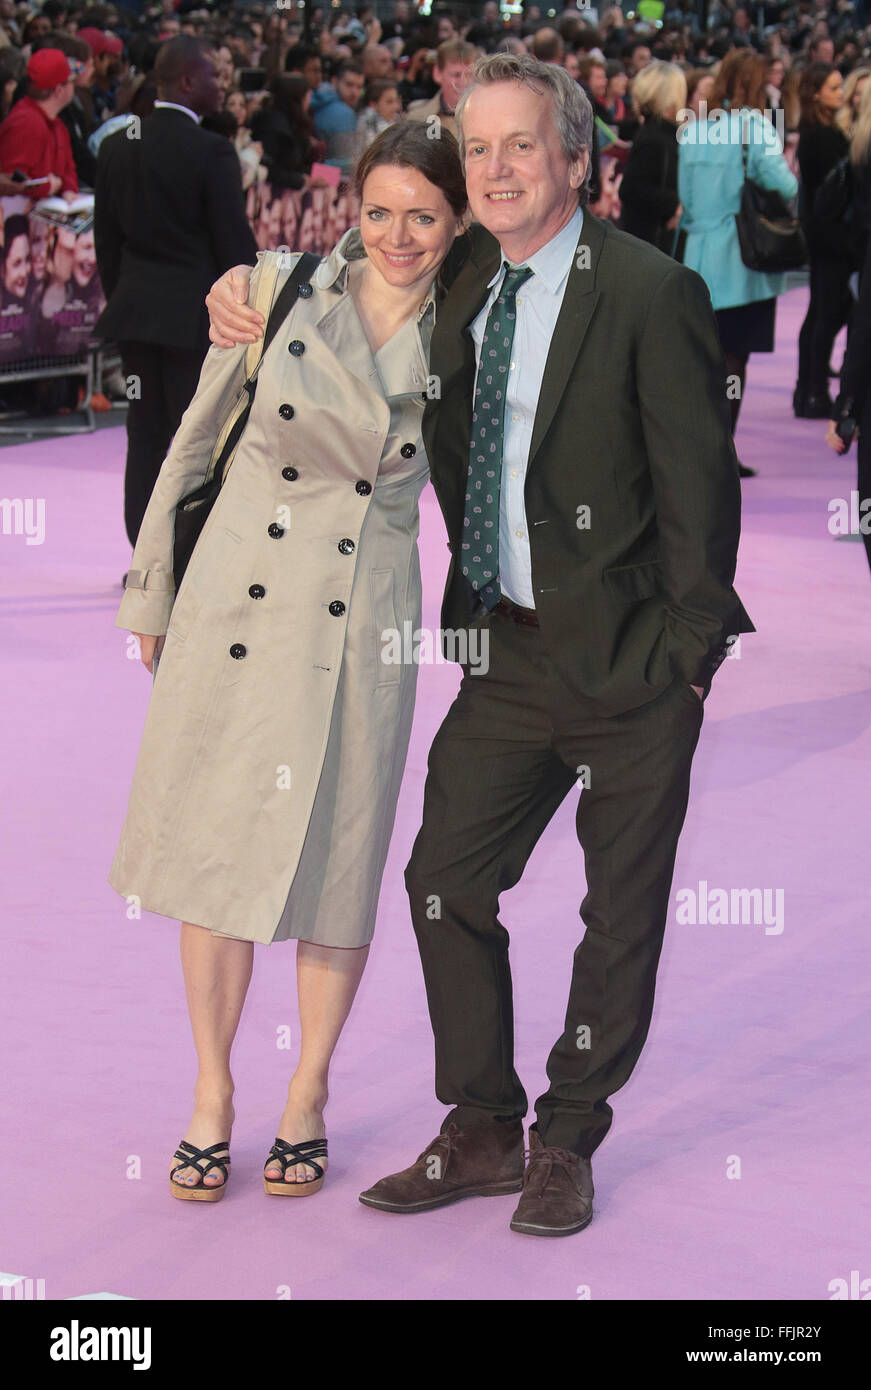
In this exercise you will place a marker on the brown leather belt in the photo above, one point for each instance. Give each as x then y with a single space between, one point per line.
527 617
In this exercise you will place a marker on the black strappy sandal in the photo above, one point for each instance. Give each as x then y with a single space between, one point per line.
287 1154
192 1157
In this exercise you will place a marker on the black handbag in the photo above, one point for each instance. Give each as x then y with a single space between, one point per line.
192 512
770 236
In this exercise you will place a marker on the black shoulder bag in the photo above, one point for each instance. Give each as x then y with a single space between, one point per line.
770 237
192 512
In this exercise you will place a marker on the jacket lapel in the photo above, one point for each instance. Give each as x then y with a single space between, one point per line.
575 316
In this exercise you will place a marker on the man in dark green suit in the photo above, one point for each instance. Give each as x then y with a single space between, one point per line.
592 507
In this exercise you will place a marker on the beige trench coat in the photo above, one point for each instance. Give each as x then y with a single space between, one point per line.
265 790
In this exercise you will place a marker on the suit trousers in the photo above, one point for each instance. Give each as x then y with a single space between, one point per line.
167 380
512 746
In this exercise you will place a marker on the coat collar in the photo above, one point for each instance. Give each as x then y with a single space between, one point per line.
400 367
454 359
332 273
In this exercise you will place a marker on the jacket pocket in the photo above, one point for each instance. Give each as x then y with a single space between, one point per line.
387 671
631 583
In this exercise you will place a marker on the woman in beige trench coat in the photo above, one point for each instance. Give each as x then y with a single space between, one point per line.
265 790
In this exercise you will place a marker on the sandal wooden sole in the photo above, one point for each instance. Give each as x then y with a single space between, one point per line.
292 1189
283 1154
192 1157
197 1193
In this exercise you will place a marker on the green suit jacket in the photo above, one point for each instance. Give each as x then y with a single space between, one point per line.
632 489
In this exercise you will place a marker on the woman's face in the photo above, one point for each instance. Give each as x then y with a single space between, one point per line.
831 94
775 73
702 93
17 269
388 104
857 94
618 84
84 259
407 226
237 106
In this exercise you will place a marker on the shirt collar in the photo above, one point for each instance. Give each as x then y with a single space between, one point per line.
553 261
333 271
178 107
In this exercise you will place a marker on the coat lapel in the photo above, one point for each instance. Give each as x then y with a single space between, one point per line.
575 316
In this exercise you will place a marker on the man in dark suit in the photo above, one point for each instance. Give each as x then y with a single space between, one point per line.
609 605
581 452
169 217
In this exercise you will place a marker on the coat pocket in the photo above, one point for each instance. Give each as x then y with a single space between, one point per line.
386 634
631 583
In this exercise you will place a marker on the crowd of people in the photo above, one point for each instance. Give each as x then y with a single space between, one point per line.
302 96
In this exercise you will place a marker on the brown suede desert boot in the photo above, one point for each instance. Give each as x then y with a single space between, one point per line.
484 1160
557 1195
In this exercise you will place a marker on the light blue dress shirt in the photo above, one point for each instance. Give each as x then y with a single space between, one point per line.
538 304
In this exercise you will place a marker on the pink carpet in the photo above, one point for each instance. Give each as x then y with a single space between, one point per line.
735 1165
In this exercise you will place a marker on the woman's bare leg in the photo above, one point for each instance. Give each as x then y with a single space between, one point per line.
217 972
327 979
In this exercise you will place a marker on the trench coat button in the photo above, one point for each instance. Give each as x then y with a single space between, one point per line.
257 591
286 411
290 474
337 608
305 291
275 531
296 347
346 546
237 651
408 451
363 487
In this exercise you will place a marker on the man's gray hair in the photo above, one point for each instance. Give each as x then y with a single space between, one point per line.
573 114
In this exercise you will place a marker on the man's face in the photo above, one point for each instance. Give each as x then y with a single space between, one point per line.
572 65
350 88
205 95
640 59
313 73
824 51
446 29
597 82
452 80
521 186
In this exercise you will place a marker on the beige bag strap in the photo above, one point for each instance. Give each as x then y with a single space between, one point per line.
272 276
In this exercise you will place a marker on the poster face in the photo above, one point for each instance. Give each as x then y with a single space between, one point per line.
50 291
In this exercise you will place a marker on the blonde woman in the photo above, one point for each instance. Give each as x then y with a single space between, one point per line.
854 86
860 163
648 194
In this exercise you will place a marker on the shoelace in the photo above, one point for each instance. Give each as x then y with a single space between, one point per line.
538 1158
450 1137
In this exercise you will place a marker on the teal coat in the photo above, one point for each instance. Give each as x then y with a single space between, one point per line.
710 176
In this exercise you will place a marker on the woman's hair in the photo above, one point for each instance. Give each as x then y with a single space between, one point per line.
377 88
740 81
813 79
860 143
844 118
15 226
408 145
286 94
573 114
657 88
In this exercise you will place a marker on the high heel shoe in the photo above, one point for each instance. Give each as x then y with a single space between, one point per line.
192 1157
285 1154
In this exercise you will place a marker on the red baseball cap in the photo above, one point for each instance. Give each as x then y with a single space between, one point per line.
100 42
47 68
